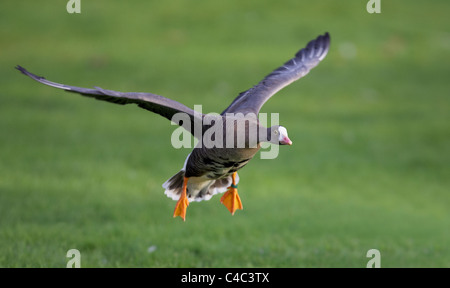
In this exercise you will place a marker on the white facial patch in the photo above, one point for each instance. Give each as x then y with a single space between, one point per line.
282 133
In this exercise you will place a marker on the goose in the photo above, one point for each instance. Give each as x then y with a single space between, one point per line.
210 168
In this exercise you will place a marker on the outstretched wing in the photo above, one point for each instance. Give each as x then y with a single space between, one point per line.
152 102
309 57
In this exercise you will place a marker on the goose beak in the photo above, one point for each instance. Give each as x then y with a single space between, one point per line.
286 141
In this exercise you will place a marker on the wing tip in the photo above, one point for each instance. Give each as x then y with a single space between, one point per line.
42 80
317 48
22 70
326 45
29 74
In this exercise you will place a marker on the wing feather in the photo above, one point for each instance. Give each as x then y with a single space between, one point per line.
155 103
252 100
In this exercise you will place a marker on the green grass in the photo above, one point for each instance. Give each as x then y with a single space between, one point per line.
369 167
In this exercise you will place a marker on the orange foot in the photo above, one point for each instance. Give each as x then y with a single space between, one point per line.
183 203
231 198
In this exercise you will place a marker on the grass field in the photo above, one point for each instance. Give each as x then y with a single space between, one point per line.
369 167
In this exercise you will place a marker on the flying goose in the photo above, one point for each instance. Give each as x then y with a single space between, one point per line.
212 169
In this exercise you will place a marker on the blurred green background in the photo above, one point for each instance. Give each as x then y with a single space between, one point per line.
369 167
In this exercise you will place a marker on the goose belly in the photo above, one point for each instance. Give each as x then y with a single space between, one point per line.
224 169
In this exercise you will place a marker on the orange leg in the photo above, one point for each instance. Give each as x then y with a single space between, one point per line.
231 198
183 203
